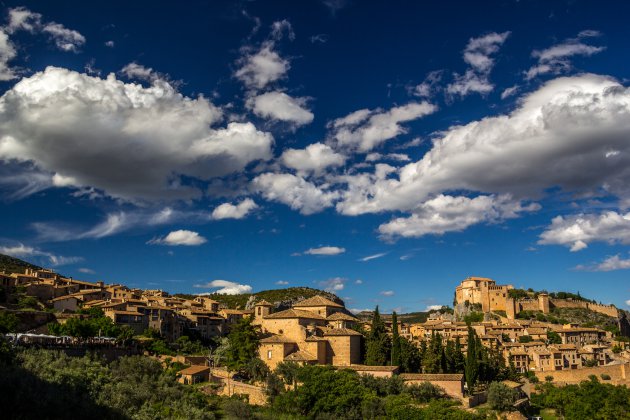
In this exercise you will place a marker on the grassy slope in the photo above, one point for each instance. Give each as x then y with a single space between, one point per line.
279 297
14 265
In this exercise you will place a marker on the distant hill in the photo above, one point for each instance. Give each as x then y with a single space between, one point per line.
15 265
410 318
280 298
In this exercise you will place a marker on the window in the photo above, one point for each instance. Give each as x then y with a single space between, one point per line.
269 354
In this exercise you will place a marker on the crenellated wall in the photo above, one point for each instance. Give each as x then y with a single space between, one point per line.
609 310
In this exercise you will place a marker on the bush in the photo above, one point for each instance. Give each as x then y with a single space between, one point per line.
8 322
234 408
501 397
424 392
605 376
473 317
28 302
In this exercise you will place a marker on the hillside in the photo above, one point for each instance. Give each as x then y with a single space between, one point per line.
280 298
14 265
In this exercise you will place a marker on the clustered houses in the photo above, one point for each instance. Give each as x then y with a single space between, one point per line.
578 347
524 343
320 331
136 308
313 331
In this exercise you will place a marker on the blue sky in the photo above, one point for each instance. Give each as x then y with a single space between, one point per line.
380 150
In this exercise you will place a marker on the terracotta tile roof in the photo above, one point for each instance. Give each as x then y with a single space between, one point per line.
314 338
367 368
57 299
340 316
262 302
194 370
294 313
567 347
536 331
233 311
432 376
340 332
300 356
276 339
316 301
126 313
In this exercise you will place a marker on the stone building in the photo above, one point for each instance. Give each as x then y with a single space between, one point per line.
483 291
314 331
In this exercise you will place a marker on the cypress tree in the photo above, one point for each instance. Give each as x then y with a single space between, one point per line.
423 355
378 344
449 354
460 361
395 360
472 362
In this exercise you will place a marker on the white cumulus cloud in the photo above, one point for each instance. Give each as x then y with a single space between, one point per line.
577 231
180 237
556 59
334 284
262 67
24 251
103 119
314 158
447 213
294 191
234 211
325 250
478 54
281 107
225 287
365 129
567 127
611 263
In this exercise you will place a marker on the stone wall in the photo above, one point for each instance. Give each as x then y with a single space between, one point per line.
618 374
608 310
545 304
255 394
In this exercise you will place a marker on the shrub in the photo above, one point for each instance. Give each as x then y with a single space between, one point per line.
605 376
8 322
234 408
501 397
424 392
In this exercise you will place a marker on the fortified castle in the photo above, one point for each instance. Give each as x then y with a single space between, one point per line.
492 297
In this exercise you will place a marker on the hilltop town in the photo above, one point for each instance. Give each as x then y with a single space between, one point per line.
522 329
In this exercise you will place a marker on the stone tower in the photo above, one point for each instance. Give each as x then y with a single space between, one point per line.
543 303
261 309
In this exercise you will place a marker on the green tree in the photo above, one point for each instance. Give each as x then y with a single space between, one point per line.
243 346
257 370
288 371
501 397
434 360
553 337
471 369
8 322
460 360
410 358
378 344
395 357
